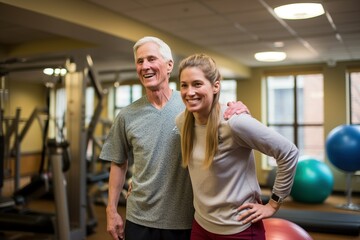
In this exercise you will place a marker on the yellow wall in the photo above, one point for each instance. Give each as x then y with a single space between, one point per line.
26 96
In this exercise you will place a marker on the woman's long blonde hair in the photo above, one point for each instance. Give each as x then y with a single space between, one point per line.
208 66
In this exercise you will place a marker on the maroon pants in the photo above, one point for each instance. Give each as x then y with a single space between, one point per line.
255 232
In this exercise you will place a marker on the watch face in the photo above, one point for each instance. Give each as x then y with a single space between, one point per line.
275 197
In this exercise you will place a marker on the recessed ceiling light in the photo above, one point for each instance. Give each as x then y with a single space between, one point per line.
299 10
279 44
270 56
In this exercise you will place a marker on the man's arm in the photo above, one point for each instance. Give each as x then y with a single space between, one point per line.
115 223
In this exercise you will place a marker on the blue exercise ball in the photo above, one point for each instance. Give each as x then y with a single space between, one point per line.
313 181
343 147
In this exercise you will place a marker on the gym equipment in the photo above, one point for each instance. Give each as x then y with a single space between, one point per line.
2 151
343 147
11 145
94 178
97 179
4 201
323 222
69 220
78 201
281 229
343 151
11 131
75 84
313 181
8 66
11 137
25 220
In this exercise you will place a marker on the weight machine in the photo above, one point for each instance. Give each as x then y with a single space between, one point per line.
69 220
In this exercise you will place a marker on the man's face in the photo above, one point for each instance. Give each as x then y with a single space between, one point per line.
152 70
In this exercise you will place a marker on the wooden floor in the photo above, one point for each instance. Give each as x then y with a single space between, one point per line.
329 205
101 234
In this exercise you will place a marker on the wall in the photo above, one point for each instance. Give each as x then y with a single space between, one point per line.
25 96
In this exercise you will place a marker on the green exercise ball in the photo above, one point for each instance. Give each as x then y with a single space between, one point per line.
313 181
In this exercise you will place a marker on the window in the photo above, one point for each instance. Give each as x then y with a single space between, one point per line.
228 91
89 104
60 110
354 85
295 110
172 85
126 94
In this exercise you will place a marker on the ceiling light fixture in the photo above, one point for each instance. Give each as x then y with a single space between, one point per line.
55 71
297 11
279 44
270 56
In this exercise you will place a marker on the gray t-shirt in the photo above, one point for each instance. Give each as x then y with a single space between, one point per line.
161 194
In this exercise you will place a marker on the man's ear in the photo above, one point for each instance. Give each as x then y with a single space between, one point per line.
170 67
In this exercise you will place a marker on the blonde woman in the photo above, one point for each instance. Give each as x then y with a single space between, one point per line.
220 159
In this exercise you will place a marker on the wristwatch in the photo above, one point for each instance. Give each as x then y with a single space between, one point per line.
276 198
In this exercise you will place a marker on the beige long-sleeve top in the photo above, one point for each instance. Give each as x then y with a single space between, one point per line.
231 180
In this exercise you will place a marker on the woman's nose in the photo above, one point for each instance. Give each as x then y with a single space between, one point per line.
191 91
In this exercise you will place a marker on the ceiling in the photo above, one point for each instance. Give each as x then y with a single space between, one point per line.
39 32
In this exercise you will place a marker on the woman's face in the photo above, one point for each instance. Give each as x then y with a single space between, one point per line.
196 91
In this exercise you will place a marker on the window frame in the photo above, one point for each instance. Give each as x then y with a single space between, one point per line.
295 125
350 88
